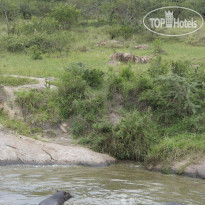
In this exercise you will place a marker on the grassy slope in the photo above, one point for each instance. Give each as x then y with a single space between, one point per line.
97 57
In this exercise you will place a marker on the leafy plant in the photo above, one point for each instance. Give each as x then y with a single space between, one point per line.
71 87
158 46
66 15
36 54
94 77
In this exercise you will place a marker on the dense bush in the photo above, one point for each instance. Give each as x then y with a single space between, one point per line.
46 25
42 42
175 94
88 112
37 54
132 138
94 77
130 86
158 67
15 43
121 31
71 87
66 15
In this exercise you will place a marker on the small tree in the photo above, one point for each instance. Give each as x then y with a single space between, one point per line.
4 11
9 11
66 15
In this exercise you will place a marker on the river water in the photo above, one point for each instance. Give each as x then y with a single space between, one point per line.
121 184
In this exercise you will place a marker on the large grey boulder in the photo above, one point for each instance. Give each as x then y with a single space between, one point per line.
23 150
127 57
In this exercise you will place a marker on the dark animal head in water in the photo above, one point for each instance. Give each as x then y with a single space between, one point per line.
57 199
65 195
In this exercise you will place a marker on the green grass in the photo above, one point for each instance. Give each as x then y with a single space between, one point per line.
15 81
19 126
95 57
171 148
177 148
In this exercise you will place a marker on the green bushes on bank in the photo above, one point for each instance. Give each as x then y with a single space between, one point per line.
176 148
131 139
160 109
39 106
41 41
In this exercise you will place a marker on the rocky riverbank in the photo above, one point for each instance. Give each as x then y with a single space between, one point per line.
185 167
16 149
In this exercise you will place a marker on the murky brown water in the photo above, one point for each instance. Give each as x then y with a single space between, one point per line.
123 183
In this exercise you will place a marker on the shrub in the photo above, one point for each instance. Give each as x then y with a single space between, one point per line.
101 137
88 112
181 68
131 139
158 67
42 42
173 96
134 136
126 73
46 25
80 126
115 85
15 43
122 31
176 91
129 87
71 87
36 55
158 46
90 109
194 124
66 15
61 41
94 77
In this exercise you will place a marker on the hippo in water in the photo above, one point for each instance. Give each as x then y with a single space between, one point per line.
59 198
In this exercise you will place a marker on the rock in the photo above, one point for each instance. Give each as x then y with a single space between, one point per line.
124 57
195 65
114 42
142 47
63 127
196 170
127 57
144 59
64 124
102 43
114 63
23 150
185 167
114 118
